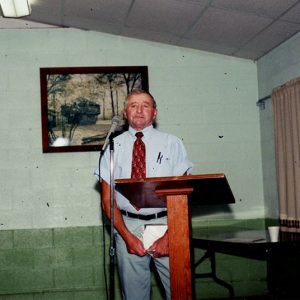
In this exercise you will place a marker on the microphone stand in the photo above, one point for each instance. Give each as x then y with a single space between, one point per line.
112 244
109 138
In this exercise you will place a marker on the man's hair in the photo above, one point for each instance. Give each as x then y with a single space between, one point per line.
138 92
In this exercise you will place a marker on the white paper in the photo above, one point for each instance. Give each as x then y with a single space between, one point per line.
152 233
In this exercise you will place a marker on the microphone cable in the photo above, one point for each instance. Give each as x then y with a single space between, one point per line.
103 231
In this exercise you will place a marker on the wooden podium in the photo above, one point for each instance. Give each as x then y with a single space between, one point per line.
176 193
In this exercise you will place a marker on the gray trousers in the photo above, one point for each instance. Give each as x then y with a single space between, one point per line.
134 271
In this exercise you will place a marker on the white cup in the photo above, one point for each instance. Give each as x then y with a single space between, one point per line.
274 233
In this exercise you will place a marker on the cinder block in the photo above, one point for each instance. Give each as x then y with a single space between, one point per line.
37 238
7 279
73 236
74 277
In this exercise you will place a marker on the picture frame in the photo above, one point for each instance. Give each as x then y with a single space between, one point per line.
79 103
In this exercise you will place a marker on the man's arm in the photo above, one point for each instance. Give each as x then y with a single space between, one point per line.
134 245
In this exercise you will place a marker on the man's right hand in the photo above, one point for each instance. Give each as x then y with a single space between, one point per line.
135 245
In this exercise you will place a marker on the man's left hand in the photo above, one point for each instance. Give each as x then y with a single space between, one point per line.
160 247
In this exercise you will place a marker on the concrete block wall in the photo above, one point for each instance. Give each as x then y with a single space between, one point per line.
207 100
67 263
278 67
50 203
32 261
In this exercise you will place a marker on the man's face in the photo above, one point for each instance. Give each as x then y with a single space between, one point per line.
139 111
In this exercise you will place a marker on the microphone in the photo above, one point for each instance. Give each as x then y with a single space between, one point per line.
116 124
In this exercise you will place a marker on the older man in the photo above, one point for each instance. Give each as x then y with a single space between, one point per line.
162 155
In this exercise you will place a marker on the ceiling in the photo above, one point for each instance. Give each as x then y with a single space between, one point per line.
240 28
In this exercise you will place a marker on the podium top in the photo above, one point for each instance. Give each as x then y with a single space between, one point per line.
207 189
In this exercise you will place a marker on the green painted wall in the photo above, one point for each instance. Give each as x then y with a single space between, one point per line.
278 67
50 244
67 263
207 100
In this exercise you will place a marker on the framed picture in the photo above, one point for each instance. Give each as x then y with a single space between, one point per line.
78 104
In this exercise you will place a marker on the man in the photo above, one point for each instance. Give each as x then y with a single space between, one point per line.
165 156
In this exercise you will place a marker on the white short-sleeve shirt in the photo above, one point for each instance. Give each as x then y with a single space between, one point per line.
165 156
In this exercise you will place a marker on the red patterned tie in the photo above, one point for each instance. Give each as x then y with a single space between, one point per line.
138 169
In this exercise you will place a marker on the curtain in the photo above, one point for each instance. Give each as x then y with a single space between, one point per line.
286 113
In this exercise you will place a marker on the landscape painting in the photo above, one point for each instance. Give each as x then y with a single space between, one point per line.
78 104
